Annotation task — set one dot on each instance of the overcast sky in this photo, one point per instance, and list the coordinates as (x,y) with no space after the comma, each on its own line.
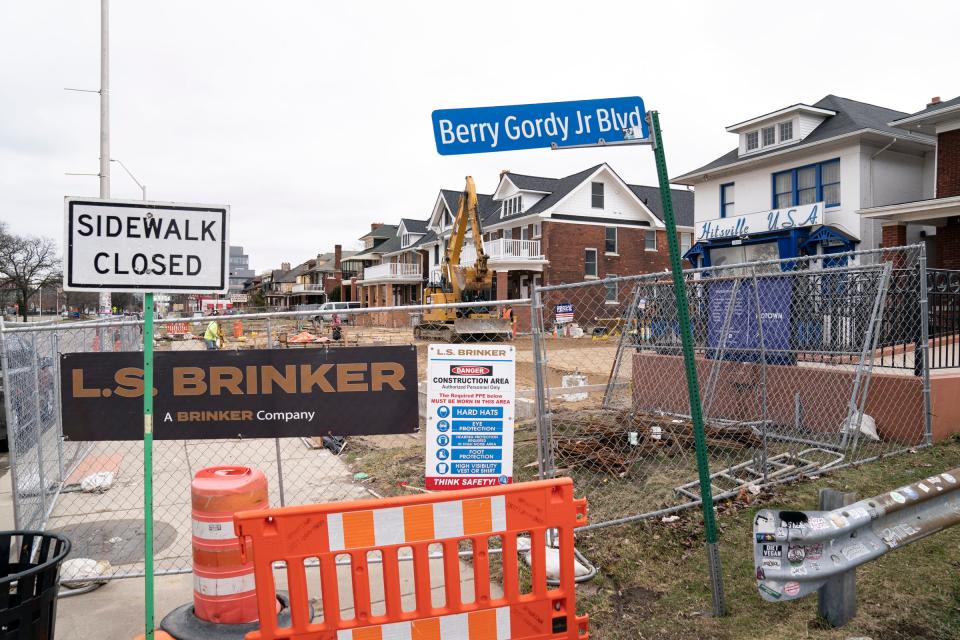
(312,119)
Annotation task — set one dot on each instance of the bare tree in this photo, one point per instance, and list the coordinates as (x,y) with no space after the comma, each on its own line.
(27,263)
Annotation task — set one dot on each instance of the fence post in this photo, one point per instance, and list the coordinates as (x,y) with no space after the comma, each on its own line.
(544,432)
(837,599)
(11,427)
(763,372)
(38,421)
(924,346)
(693,388)
(57,409)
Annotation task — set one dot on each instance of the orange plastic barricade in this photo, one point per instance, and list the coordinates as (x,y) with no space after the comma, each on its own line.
(178,328)
(325,531)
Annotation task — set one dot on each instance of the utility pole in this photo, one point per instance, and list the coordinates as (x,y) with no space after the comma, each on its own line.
(105,302)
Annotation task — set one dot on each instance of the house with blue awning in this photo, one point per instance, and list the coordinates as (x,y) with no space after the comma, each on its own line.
(798,177)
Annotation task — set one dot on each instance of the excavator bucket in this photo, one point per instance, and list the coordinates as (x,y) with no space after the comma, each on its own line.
(482,328)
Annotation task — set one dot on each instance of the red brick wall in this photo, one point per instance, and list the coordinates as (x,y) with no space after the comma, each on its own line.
(948,245)
(895,401)
(894,235)
(563,245)
(948,164)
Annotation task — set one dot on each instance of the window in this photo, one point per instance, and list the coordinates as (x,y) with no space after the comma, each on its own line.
(753,140)
(612,290)
(596,195)
(508,234)
(610,244)
(650,239)
(786,131)
(806,179)
(726,199)
(769,136)
(590,262)
(537,230)
(524,233)
(806,185)
(686,240)
(830,182)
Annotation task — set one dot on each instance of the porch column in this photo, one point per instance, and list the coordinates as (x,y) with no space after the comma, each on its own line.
(502,285)
(894,234)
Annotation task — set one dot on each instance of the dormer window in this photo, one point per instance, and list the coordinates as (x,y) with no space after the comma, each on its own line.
(786,131)
(769,136)
(511,206)
(753,140)
(409,238)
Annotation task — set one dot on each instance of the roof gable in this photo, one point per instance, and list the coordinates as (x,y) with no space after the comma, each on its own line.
(851,116)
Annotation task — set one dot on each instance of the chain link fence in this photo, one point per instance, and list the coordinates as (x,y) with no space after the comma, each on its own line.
(803,365)
(93,492)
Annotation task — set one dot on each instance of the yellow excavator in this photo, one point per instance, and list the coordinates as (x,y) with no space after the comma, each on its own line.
(463,284)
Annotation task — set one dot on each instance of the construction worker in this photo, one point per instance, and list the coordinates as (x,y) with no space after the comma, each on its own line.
(213,336)
(509,317)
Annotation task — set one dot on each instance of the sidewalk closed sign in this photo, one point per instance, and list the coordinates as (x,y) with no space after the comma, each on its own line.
(133,245)
(470,411)
(537,126)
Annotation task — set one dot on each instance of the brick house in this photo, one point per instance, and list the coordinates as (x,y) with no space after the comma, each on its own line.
(935,221)
(536,230)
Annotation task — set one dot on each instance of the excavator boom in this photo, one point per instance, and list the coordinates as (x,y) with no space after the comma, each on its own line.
(448,324)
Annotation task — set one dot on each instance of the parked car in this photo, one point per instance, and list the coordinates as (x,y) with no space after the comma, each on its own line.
(328,309)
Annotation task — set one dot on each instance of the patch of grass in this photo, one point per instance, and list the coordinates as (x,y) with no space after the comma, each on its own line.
(653,584)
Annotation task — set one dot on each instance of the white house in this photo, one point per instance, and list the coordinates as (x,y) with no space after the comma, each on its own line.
(798,177)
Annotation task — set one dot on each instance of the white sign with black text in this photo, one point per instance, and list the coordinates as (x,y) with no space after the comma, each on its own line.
(136,245)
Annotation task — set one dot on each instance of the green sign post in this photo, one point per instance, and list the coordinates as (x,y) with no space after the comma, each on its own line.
(99,260)
(693,387)
(148,463)
(596,123)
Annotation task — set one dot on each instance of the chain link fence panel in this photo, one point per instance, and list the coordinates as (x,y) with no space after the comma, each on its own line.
(93,492)
(803,365)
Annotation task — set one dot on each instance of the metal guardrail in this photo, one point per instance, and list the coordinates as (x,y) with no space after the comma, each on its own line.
(797,552)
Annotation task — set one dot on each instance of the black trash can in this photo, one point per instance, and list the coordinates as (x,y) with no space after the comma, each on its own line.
(29,580)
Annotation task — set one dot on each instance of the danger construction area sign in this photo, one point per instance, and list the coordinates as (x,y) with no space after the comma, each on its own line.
(137,245)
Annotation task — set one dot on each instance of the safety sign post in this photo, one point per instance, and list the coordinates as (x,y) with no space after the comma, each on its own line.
(141,246)
(589,124)
(470,414)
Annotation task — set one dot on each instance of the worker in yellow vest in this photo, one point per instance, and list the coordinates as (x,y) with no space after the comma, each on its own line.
(213,336)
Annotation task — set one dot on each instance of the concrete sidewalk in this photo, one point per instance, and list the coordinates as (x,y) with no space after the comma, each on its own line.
(116,610)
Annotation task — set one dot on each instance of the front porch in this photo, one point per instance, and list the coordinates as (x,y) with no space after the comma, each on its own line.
(935,223)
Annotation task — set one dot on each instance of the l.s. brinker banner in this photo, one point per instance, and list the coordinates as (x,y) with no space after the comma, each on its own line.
(266,393)
(534,126)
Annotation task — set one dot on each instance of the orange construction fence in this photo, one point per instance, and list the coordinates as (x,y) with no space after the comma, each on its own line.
(321,533)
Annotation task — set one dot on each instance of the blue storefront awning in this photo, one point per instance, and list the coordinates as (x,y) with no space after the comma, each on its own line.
(829,235)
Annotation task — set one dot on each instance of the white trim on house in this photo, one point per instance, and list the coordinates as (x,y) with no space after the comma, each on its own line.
(915,211)
(928,116)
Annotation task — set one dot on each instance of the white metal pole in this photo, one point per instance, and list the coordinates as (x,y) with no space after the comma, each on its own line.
(105,303)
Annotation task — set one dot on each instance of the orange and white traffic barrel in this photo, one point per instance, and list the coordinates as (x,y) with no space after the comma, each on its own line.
(224,589)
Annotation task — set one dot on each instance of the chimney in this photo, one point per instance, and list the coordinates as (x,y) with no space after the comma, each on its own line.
(934,100)
(285,266)
(375,225)
(337,270)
